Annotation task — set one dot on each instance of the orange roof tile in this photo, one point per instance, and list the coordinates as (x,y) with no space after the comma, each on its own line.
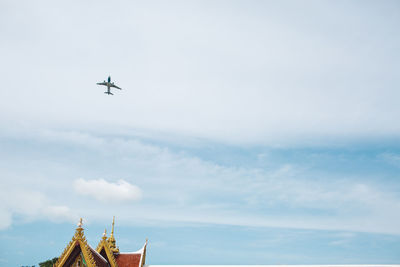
(128,259)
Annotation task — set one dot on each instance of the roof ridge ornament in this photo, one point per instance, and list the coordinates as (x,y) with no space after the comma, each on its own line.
(143,256)
(79,230)
(80,223)
(112,228)
(105,234)
(111,240)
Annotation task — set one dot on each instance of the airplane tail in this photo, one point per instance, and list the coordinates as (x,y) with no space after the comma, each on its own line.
(108,93)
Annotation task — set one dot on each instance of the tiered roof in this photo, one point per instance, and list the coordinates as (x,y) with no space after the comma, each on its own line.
(79,253)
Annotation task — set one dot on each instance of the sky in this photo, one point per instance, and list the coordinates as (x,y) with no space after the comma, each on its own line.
(247,132)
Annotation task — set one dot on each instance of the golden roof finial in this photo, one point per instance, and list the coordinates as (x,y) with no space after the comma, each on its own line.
(111,239)
(105,234)
(79,230)
(112,228)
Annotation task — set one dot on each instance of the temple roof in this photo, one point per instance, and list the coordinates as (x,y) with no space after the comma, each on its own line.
(106,254)
(128,259)
(132,259)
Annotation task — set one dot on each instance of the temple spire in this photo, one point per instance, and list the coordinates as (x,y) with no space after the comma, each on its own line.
(111,239)
(112,228)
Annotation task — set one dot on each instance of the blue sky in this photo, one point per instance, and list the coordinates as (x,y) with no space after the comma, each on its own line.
(252,132)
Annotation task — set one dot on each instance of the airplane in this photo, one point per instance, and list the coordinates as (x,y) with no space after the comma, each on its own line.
(109,84)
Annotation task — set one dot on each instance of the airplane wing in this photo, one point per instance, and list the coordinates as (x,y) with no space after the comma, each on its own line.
(103,83)
(113,85)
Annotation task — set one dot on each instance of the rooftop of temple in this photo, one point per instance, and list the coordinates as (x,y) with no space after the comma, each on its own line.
(79,253)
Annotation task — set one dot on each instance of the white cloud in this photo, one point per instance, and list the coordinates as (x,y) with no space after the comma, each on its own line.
(181,187)
(101,190)
(30,205)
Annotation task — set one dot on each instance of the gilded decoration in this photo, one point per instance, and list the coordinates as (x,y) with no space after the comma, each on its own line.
(78,239)
(103,244)
(111,240)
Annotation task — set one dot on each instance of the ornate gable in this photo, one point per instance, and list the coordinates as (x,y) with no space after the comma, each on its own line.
(77,249)
(103,248)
